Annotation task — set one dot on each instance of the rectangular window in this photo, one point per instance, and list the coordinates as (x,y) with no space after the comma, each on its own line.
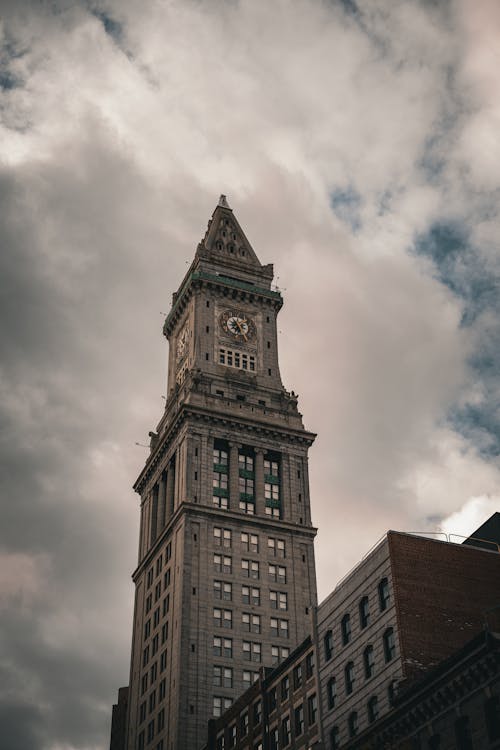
(223,590)
(223,647)
(222,676)
(236,359)
(250,595)
(249,542)
(244,724)
(252,651)
(285,731)
(257,713)
(223,618)
(312,709)
(163,660)
(277,573)
(251,622)
(250,568)
(162,689)
(222,537)
(297,676)
(280,548)
(299,720)
(278,600)
(249,677)
(285,688)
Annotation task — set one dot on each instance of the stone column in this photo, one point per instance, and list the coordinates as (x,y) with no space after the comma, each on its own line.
(234,484)
(154,514)
(170,490)
(162,501)
(259,483)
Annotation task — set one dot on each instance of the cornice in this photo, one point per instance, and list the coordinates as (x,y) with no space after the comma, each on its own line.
(208,512)
(250,426)
(199,278)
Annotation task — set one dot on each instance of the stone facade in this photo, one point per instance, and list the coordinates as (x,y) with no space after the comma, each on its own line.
(226,579)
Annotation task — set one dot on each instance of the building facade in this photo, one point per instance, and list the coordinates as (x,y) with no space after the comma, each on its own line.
(406,607)
(456,706)
(225,582)
(280,710)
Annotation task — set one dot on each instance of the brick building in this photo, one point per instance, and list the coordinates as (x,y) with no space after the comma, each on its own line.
(280,710)
(408,605)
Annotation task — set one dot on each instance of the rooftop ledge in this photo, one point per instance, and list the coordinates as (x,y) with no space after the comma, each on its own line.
(219,278)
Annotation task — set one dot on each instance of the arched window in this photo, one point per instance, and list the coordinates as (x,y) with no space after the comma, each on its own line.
(369,661)
(364,612)
(346,629)
(349,677)
(328,641)
(389,645)
(353,724)
(373,709)
(383,594)
(334,738)
(331,690)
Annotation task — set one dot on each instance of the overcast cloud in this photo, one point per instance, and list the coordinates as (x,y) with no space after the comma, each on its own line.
(358,145)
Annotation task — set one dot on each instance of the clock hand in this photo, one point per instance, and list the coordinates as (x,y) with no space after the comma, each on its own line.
(241,329)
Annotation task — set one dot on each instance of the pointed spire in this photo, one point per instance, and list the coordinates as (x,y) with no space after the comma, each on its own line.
(223,202)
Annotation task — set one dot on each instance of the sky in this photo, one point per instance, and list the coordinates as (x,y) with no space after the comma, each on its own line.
(357,142)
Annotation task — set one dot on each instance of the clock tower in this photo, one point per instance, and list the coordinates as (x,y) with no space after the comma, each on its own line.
(225,581)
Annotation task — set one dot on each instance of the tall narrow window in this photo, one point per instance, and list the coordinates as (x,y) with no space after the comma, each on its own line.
(389,645)
(334,738)
(383,594)
(349,677)
(364,612)
(331,692)
(220,491)
(373,709)
(369,661)
(328,642)
(272,489)
(346,629)
(353,724)
(246,481)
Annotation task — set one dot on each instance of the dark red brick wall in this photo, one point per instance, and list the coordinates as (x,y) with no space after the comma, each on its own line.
(441,592)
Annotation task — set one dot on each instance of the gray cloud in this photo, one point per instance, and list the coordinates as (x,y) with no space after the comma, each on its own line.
(345,135)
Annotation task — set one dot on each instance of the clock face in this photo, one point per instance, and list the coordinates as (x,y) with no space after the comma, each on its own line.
(238,325)
(182,343)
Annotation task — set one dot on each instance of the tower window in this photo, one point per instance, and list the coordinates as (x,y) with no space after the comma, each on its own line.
(272,489)
(238,360)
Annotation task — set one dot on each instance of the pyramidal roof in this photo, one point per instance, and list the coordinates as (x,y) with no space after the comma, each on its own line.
(225,240)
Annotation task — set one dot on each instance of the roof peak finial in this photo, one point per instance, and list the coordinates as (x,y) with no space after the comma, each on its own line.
(223,202)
